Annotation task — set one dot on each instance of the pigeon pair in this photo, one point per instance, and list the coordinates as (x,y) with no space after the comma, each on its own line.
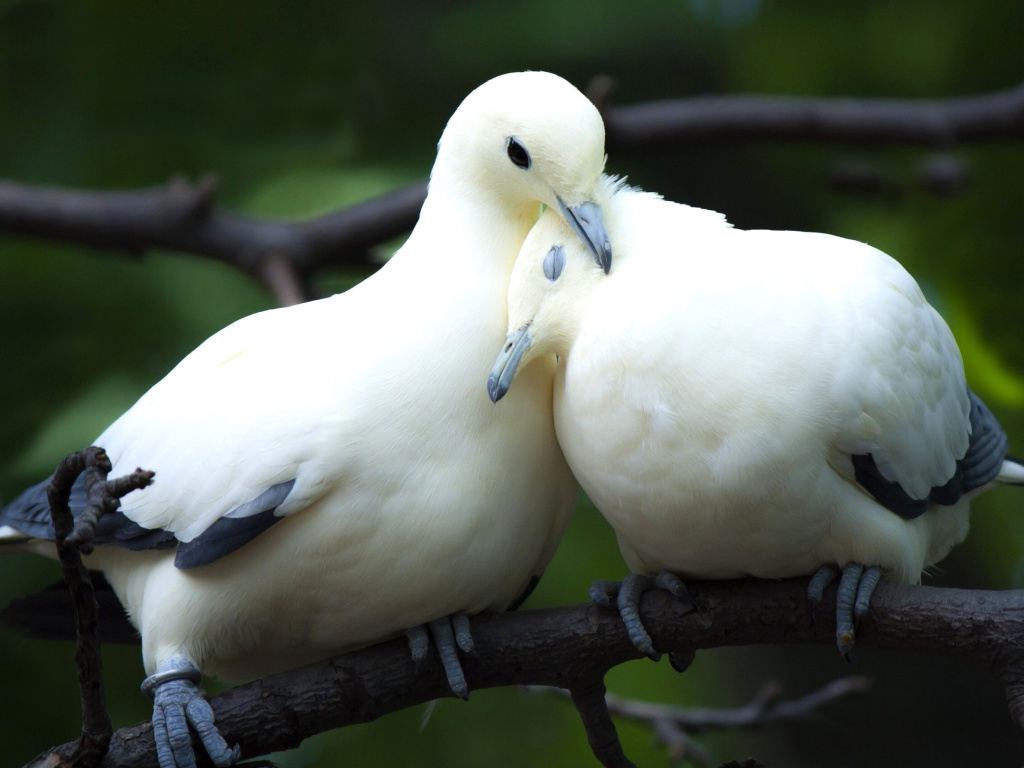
(333,474)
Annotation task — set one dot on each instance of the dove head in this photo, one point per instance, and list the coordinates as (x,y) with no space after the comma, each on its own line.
(526,139)
(553,277)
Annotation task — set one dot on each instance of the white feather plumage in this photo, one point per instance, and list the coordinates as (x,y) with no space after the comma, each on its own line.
(413,497)
(718,382)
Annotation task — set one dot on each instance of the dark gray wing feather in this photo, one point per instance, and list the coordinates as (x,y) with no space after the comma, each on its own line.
(239,526)
(50,613)
(984,458)
(30,514)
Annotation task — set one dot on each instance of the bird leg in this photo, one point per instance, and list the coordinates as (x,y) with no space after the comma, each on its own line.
(178,702)
(625,598)
(451,634)
(852,599)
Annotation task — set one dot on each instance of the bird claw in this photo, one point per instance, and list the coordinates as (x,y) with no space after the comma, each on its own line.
(419,646)
(675,587)
(853,597)
(178,706)
(625,597)
(451,634)
(681,661)
(603,593)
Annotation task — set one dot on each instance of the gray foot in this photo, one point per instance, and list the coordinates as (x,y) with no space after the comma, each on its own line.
(853,597)
(178,703)
(625,598)
(451,634)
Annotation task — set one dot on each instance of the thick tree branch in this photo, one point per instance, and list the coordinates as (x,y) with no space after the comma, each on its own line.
(182,217)
(560,646)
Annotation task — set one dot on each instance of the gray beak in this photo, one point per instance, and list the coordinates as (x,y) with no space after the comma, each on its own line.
(586,219)
(507,364)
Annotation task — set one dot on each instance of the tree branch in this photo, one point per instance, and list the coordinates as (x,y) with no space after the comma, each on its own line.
(589,698)
(181,216)
(560,646)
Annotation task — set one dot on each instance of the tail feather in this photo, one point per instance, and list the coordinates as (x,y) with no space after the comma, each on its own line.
(10,535)
(50,614)
(1011,472)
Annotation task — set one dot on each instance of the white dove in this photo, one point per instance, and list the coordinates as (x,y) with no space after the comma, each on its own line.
(751,403)
(325,473)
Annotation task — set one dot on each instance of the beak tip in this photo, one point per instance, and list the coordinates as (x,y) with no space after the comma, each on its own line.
(605,257)
(494,389)
(587,221)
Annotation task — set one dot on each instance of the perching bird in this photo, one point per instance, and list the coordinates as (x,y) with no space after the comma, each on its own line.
(751,403)
(325,473)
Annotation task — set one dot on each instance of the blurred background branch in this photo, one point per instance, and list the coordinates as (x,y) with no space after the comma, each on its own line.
(181,216)
(937,123)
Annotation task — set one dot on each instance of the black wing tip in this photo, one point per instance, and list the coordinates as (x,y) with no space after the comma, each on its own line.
(236,529)
(988,448)
(888,493)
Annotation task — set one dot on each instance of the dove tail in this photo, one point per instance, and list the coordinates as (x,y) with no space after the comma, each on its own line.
(1011,472)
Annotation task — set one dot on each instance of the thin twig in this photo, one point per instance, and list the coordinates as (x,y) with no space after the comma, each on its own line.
(674,725)
(280,276)
(96,726)
(765,708)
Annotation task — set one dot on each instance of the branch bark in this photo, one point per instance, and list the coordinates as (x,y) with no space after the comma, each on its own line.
(560,646)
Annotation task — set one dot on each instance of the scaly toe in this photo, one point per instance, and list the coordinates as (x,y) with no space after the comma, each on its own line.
(846,596)
(633,587)
(816,588)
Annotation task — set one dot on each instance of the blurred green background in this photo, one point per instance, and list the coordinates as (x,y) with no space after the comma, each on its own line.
(306,106)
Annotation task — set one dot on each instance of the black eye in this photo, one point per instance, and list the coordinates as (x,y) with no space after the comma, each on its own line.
(554,262)
(517,153)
